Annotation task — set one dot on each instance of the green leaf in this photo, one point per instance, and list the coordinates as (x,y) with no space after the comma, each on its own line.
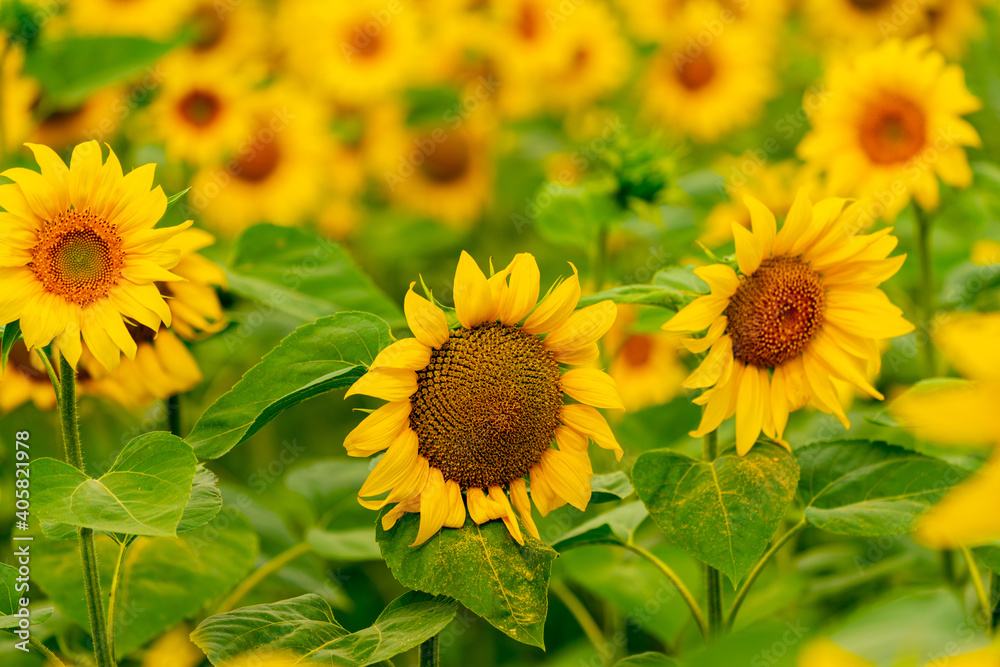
(648,659)
(863,488)
(328,481)
(164,579)
(304,275)
(204,503)
(681,278)
(144,492)
(648,295)
(480,566)
(174,198)
(614,527)
(10,597)
(610,486)
(305,626)
(328,354)
(71,68)
(573,216)
(723,513)
(345,545)
(11,334)
(990,555)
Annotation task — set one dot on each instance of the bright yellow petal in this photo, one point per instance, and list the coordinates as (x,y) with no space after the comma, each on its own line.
(583,328)
(765,227)
(519,497)
(588,421)
(715,367)
(397,461)
(409,354)
(748,255)
(427,322)
(567,479)
(553,311)
(824,653)
(434,507)
(473,301)
(697,315)
(389,384)
(520,297)
(510,520)
(456,506)
(971,343)
(378,430)
(592,387)
(951,412)
(749,409)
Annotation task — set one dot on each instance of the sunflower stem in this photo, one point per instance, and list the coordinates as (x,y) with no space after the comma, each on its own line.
(174,414)
(260,574)
(981,594)
(601,258)
(692,604)
(926,301)
(583,617)
(88,551)
(44,650)
(113,595)
(53,378)
(429,651)
(713,578)
(758,568)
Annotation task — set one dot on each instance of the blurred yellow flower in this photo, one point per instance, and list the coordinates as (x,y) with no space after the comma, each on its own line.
(17,96)
(650,21)
(97,117)
(24,379)
(804,309)
(645,365)
(228,32)
(952,24)
(155,19)
(173,649)
(889,124)
(824,653)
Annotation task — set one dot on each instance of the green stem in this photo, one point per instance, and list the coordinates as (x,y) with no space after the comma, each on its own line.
(981,594)
(44,650)
(88,551)
(758,568)
(113,595)
(429,651)
(580,613)
(174,414)
(926,297)
(47,363)
(713,578)
(676,581)
(262,573)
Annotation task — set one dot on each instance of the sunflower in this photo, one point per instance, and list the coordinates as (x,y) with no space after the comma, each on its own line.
(358,52)
(951,24)
(200,111)
(804,308)
(476,408)
(691,89)
(230,33)
(24,379)
(17,96)
(861,24)
(194,304)
(146,18)
(644,364)
(101,112)
(650,21)
(79,253)
(961,412)
(275,173)
(891,124)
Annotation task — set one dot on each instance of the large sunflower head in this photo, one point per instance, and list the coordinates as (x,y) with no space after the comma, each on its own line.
(891,124)
(79,254)
(805,308)
(475,410)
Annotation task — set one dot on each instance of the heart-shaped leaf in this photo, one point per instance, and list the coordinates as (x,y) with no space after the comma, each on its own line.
(614,527)
(144,492)
(306,626)
(10,598)
(304,275)
(329,353)
(163,580)
(480,566)
(858,487)
(723,513)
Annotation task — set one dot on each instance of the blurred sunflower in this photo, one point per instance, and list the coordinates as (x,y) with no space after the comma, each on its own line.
(961,412)
(804,308)
(891,125)
(476,408)
(80,254)
(861,24)
(101,113)
(444,172)
(773,184)
(650,21)
(823,652)
(17,96)
(691,89)
(358,52)
(163,366)
(275,172)
(644,364)
(146,18)
(174,649)
(951,24)
(24,379)
(229,33)
(200,112)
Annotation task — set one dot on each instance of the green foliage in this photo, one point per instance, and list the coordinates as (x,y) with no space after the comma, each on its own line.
(297,272)
(11,333)
(858,487)
(306,626)
(647,295)
(648,659)
(573,217)
(614,527)
(205,502)
(723,513)
(145,491)
(10,597)
(328,354)
(163,580)
(345,545)
(610,486)
(480,566)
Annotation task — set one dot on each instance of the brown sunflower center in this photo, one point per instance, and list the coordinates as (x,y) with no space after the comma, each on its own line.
(78,257)
(696,73)
(449,161)
(200,108)
(870,5)
(366,44)
(893,130)
(210,27)
(637,350)
(487,405)
(776,312)
(258,163)
(527,21)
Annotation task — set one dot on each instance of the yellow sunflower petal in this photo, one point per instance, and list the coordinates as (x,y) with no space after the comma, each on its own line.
(592,387)
(522,294)
(824,653)
(583,328)
(959,519)
(553,311)
(566,477)
(715,331)
(519,497)
(378,430)
(408,353)
(473,300)
(951,412)
(722,402)
(969,342)
(591,423)
(715,367)
(427,322)
(765,227)
(748,254)
(389,384)
(398,460)
(749,409)
(434,507)
(510,520)
(697,315)
(456,506)
(411,505)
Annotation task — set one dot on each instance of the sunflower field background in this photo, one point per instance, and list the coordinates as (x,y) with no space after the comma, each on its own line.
(280,258)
